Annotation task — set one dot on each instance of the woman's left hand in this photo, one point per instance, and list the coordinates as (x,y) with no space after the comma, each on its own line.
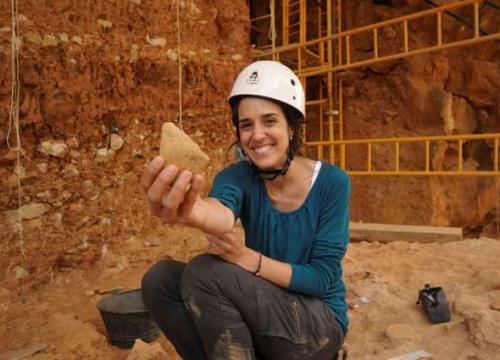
(231,247)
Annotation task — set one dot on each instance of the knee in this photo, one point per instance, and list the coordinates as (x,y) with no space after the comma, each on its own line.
(203,272)
(163,277)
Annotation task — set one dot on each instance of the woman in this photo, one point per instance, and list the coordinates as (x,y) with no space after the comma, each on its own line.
(279,295)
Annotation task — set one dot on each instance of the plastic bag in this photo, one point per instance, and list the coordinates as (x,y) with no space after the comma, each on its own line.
(433,301)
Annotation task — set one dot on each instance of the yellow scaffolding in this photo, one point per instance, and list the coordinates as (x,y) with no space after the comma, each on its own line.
(345,62)
(427,142)
(318,61)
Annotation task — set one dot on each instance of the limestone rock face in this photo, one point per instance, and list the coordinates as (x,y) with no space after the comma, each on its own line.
(20,273)
(116,142)
(144,351)
(172,55)
(156,41)
(55,148)
(32,211)
(49,40)
(30,214)
(236,57)
(103,155)
(177,148)
(71,170)
(458,115)
(105,24)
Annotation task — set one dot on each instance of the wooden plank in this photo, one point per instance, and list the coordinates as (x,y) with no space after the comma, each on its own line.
(386,233)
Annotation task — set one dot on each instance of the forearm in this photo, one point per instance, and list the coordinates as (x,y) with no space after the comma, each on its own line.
(315,279)
(215,218)
(275,271)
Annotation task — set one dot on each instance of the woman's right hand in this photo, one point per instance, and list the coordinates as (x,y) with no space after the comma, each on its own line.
(172,195)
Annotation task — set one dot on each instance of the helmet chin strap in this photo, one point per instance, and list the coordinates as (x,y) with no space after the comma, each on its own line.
(273,174)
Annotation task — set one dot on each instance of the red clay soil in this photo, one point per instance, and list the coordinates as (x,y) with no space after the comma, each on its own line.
(61,315)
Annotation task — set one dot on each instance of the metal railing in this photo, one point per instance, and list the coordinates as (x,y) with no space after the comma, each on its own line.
(426,141)
(343,40)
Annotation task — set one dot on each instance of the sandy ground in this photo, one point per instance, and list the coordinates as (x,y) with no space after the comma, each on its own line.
(60,314)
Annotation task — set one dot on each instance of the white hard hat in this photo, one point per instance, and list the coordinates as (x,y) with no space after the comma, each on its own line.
(272,80)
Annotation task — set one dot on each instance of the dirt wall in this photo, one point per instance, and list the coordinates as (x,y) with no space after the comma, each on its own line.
(97,81)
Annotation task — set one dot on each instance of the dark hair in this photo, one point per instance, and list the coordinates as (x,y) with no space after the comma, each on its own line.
(292,115)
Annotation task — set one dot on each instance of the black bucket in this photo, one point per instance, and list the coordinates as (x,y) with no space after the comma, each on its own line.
(126,319)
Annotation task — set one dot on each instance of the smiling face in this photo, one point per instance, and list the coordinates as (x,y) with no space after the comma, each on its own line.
(264,132)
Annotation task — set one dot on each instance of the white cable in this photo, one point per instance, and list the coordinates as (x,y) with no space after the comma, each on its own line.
(13,78)
(179,64)
(14,117)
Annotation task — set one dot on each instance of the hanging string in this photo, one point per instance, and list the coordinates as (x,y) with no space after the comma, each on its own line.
(14,99)
(272,29)
(497,186)
(14,118)
(179,64)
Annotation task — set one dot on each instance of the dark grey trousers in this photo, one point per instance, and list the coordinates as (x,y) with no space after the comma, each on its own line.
(212,309)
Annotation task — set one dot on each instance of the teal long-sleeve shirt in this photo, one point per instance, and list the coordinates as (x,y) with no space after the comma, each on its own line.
(312,238)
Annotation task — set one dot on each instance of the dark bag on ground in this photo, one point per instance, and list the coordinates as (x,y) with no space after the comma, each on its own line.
(433,301)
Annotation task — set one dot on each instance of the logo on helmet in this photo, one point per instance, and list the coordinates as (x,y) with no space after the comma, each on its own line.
(253,78)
